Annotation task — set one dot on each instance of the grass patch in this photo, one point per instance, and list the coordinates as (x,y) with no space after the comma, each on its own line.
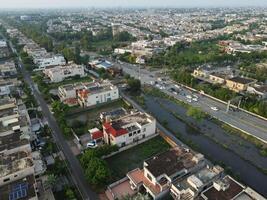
(132,158)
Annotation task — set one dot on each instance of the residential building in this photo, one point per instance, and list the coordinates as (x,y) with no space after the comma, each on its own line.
(228,188)
(101,64)
(191,186)
(239,84)
(4,51)
(60,72)
(25,188)
(96,93)
(158,174)
(15,166)
(8,70)
(129,129)
(51,60)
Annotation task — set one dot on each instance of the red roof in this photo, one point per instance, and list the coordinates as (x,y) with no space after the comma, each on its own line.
(111,130)
(96,135)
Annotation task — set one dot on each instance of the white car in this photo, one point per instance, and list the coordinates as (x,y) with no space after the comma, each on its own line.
(195,99)
(189,96)
(91,145)
(214,108)
(189,100)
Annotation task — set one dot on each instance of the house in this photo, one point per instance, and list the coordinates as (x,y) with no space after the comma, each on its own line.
(239,84)
(60,72)
(25,188)
(8,70)
(158,174)
(101,64)
(228,188)
(220,77)
(129,129)
(50,60)
(96,93)
(191,186)
(15,166)
(4,51)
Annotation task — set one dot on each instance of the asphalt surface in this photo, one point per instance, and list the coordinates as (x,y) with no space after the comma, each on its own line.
(74,165)
(239,119)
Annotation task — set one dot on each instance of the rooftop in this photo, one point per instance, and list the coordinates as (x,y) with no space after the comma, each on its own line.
(224,189)
(14,162)
(241,80)
(171,162)
(11,141)
(22,189)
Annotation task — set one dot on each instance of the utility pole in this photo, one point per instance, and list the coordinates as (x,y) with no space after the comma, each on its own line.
(228,106)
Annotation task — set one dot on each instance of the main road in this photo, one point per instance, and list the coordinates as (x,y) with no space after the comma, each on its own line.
(241,120)
(73,163)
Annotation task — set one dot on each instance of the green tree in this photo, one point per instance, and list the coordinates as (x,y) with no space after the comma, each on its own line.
(196,113)
(134,84)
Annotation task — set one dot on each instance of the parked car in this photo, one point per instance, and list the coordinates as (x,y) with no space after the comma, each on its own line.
(91,145)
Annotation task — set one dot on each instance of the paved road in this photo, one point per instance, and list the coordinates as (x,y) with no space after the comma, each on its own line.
(74,165)
(239,119)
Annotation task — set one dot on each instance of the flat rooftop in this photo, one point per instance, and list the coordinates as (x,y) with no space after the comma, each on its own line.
(242,80)
(22,189)
(233,188)
(170,162)
(14,162)
(12,141)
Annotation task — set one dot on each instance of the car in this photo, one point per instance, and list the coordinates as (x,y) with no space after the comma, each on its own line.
(189,100)
(214,108)
(91,144)
(189,96)
(195,99)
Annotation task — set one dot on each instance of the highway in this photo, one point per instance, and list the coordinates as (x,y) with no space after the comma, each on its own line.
(75,168)
(248,123)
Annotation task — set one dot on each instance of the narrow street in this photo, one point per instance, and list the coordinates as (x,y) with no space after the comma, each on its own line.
(74,165)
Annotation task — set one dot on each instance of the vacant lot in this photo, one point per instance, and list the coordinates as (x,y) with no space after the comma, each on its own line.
(132,158)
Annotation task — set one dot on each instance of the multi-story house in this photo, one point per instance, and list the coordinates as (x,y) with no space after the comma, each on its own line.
(129,129)
(60,72)
(158,174)
(96,93)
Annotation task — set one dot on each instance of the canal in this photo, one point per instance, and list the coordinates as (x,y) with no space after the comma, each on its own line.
(238,158)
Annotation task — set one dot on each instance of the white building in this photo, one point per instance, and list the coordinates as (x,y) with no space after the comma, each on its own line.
(96,93)
(129,129)
(42,63)
(60,72)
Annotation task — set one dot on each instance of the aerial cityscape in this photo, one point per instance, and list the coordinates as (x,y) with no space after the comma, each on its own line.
(133,100)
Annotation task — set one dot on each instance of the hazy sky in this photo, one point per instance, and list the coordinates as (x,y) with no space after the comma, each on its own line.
(127,3)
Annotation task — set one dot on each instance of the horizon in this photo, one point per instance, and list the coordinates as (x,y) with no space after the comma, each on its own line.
(57,4)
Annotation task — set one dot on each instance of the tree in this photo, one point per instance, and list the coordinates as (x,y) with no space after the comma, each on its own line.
(134,84)
(196,113)
(51,180)
(69,194)
(123,37)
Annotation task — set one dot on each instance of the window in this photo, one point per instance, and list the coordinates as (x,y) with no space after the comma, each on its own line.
(149,177)
(130,134)
(144,129)
(123,144)
(7,179)
(139,131)
(144,136)
(134,132)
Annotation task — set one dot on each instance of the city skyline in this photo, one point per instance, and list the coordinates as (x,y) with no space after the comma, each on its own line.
(123,3)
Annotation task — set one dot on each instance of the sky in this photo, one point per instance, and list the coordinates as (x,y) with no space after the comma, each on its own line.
(129,3)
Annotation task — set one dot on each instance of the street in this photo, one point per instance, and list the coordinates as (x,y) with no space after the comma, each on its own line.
(74,165)
(247,123)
